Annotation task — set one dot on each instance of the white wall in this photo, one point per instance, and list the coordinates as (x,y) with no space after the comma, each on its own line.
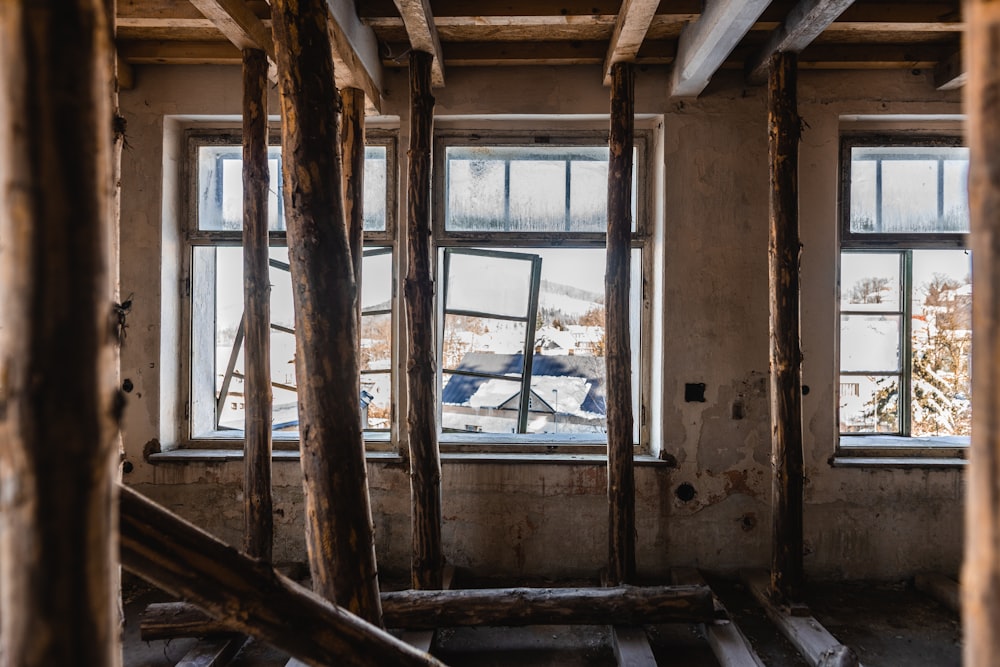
(548,518)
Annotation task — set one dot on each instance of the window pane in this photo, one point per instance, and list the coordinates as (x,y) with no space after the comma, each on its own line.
(466,337)
(220,188)
(869,343)
(869,281)
(491,285)
(524,188)
(942,343)
(376,280)
(376,342)
(376,401)
(476,195)
(567,394)
(869,404)
(375,188)
(916,189)
(537,196)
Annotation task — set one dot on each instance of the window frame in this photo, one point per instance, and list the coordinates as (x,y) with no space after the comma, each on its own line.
(517,241)
(902,444)
(191,237)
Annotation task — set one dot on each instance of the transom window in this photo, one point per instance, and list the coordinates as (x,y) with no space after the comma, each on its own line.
(520,224)
(214,256)
(905,290)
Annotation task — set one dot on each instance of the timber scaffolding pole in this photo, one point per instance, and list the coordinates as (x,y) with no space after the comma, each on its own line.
(339,532)
(783,129)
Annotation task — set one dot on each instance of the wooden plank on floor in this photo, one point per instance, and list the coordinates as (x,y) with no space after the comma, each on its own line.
(214,652)
(632,647)
(814,643)
(424,639)
(940,587)
(727,641)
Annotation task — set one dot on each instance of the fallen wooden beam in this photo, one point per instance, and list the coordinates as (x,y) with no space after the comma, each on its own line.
(728,643)
(215,652)
(943,589)
(631,647)
(810,638)
(248,594)
(510,607)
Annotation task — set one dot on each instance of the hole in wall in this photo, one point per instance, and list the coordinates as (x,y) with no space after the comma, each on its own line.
(685,492)
(694,392)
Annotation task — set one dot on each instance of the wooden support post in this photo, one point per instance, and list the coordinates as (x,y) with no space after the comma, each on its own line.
(258,534)
(783,128)
(248,594)
(352,138)
(339,534)
(618,360)
(58,403)
(418,290)
(510,607)
(981,569)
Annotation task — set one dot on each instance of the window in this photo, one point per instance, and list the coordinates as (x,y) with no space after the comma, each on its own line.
(520,223)
(905,291)
(214,287)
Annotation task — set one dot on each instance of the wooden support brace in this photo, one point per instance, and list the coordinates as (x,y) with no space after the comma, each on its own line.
(631,646)
(618,358)
(783,129)
(215,652)
(339,534)
(247,594)
(427,558)
(814,643)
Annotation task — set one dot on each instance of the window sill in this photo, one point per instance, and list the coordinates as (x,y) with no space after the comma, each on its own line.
(900,452)
(226,455)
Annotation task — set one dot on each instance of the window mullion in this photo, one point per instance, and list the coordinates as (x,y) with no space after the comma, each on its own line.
(906,344)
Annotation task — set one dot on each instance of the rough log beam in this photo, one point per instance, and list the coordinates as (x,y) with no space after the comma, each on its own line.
(238,23)
(248,594)
(706,43)
(419,22)
(418,292)
(981,568)
(804,23)
(58,403)
(618,360)
(783,129)
(339,534)
(633,21)
(258,532)
(623,605)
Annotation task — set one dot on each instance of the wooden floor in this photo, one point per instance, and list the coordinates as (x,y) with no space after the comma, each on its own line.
(887,625)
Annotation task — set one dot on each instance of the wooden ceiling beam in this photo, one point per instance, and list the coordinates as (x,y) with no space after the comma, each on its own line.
(633,22)
(706,43)
(356,60)
(803,24)
(238,23)
(950,74)
(168,52)
(420,26)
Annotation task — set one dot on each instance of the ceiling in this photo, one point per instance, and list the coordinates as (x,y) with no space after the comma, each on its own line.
(695,38)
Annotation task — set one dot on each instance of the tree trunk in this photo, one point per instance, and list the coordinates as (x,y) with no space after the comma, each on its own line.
(248,594)
(618,359)
(786,357)
(258,533)
(981,570)
(59,407)
(506,607)
(425,461)
(339,534)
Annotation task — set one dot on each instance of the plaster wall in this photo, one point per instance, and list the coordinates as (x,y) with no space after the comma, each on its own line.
(548,518)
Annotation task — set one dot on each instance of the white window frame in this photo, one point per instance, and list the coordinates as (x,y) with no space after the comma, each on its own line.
(901,445)
(192,237)
(526,241)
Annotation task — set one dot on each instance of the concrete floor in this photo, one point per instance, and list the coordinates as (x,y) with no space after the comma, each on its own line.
(887,625)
